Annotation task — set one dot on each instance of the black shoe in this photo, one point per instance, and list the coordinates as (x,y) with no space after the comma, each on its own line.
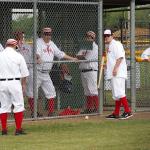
(4,132)
(38,115)
(126,115)
(112,116)
(19,132)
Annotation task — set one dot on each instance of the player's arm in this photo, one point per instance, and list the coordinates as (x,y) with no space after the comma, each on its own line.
(23,83)
(116,67)
(70,58)
(38,59)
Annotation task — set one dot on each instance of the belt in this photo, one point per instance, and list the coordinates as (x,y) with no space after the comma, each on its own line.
(87,70)
(9,79)
(44,71)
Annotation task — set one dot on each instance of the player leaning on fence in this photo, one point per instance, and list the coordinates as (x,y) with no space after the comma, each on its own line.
(13,73)
(89,73)
(46,50)
(116,71)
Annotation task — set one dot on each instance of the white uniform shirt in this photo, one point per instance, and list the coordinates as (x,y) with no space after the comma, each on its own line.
(1,48)
(26,51)
(146,54)
(90,55)
(47,51)
(12,64)
(115,51)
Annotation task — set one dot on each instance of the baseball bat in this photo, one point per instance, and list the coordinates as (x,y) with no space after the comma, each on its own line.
(101,71)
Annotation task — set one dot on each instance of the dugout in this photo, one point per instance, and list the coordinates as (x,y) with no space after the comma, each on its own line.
(69,20)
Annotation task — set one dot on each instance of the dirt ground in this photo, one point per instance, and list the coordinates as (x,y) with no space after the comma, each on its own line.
(95,118)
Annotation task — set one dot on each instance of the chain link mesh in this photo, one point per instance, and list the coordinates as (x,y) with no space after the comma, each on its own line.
(70,20)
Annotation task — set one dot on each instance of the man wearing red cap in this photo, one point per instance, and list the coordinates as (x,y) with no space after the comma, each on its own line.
(26,51)
(116,72)
(89,74)
(13,75)
(46,51)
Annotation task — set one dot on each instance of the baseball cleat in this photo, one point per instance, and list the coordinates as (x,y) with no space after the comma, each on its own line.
(126,115)
(4,132)
(112,116)
(19,132)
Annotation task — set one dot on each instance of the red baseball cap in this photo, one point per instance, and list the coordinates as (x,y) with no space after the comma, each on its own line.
(47,29)
(11,42)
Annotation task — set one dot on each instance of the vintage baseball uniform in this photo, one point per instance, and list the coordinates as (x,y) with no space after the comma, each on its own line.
(89,71)
(47,51)
(13,68)
(146,54)
(116,51)
(26,51)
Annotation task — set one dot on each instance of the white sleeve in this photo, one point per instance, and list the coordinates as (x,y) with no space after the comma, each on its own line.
(119,50)
(146,54)
(57,52)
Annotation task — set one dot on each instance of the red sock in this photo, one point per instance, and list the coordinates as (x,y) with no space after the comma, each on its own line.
(3,118)
(125,104)
(18,120)
(51,104)
(96,102)
(31,104)
(117,107)
(89,102)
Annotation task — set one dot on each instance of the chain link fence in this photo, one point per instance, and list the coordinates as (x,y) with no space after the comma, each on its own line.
(70,20)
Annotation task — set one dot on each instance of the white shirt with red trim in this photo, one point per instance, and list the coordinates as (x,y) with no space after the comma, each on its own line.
(116,51)
(47,51)
(12,64)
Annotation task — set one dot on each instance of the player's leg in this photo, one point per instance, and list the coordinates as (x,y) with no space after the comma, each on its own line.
(5,108)
(18,103)
(50,94)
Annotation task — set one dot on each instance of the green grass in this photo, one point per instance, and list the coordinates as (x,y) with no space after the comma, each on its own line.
(80,134)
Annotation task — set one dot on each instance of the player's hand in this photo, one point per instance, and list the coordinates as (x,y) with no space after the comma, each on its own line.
(38,61)
(115,70)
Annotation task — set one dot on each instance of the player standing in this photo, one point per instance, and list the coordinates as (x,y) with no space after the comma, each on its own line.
(46,50)
(89,74)
(116,72)
(13,75)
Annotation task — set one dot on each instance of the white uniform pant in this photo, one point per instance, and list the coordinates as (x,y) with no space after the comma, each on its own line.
(29,84)
(89,83)
(118,88)
(44,81)
(11,93)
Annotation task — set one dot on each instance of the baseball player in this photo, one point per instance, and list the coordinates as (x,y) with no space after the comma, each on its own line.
(1,48)
(116,72)
(26,51)
(46,50)
(89,74)
(13,75)
(146,54)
